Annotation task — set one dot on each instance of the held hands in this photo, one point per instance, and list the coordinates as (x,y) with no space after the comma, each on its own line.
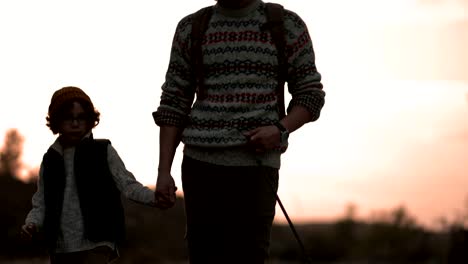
(28,231)
(263,138)
(165,193)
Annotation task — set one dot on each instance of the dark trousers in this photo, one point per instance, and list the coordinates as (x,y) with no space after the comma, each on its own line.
(99,255)
(229,210)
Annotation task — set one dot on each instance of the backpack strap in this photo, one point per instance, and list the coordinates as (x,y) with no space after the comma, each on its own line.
(200,21)
(275,24)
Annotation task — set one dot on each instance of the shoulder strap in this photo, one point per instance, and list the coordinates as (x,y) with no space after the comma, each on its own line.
(200,21)
(275,23)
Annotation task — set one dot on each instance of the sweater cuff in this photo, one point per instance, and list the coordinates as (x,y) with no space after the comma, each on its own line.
(313,104)
(169,118)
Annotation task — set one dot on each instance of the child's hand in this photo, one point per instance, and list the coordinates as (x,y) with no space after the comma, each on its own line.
(165,193)
(28,231)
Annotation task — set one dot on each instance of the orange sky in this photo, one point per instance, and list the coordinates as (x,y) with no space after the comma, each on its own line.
(393,130)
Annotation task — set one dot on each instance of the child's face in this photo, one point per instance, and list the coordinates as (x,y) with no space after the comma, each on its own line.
(74,125)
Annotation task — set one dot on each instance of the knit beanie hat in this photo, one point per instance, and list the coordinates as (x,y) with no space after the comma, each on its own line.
(66,94)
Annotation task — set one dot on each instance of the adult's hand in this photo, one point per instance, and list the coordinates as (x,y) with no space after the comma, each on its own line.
(165,193)
(264,138)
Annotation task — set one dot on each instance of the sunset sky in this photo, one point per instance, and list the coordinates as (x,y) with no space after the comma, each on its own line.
(394,129)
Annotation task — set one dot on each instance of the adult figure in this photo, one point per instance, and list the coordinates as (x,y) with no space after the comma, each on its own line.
(233,133)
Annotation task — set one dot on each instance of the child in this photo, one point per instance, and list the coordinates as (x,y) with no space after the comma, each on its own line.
(77,206)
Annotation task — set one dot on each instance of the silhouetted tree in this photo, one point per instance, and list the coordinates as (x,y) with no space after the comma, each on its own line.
(458,246)
(11,153)
(345,231)
(15,200)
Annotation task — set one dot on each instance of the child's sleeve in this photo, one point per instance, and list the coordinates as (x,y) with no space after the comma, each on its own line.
(126,182)
(37,213)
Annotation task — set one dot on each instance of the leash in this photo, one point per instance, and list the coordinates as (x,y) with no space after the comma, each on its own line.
(306,258)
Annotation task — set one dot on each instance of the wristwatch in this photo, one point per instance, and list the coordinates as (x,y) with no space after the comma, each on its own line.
(284,133)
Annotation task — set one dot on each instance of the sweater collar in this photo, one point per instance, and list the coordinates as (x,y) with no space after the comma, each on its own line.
(238,12)
(59,148)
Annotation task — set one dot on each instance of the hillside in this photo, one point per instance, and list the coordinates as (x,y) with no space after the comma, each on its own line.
(155,236)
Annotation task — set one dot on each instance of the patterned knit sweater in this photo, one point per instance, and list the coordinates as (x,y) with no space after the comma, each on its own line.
(240,71)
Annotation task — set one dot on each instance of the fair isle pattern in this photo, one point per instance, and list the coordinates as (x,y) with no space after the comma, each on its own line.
(240,70)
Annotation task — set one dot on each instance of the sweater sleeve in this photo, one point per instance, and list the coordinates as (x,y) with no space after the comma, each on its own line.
(178,89)
(126,182)
(37,213)
(304,81)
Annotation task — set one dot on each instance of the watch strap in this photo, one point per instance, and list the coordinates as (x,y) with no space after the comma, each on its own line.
(280,127)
